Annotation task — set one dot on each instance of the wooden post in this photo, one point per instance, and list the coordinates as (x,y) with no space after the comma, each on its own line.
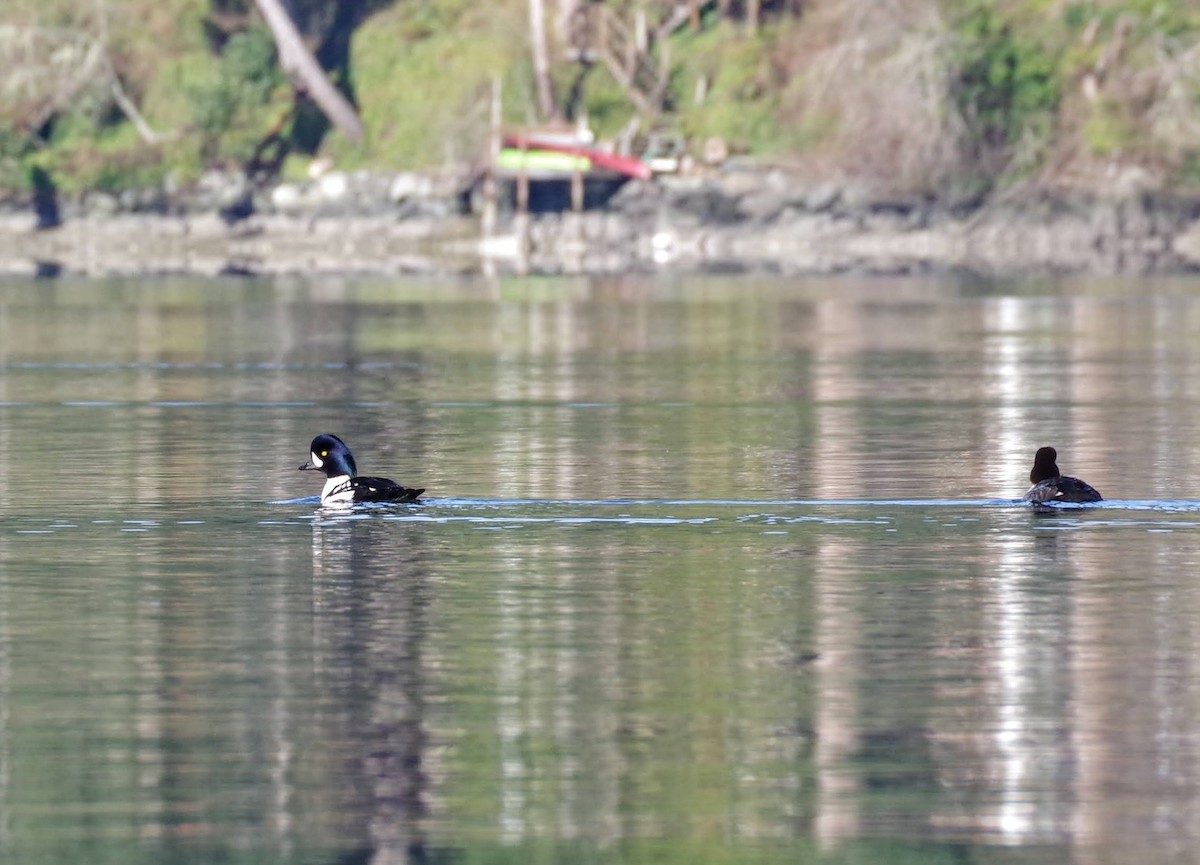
(489,179)
(523,177)
(577,191)
(664,74)
(631,48)
(601,32)
(521,220)
(523,191)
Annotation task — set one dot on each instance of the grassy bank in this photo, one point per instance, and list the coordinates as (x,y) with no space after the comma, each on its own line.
(946,98)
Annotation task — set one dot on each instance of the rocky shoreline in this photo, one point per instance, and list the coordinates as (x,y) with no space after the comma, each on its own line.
(742,219)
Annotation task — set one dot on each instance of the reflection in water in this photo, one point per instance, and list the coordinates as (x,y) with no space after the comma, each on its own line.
(712,571)
(1023,746)
(838,712)
(1011,386)
(6,690)
(370,659)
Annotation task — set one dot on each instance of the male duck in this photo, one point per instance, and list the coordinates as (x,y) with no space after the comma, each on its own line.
(329,454)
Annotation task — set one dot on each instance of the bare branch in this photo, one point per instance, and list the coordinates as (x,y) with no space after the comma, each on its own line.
(306,74)
(134,116)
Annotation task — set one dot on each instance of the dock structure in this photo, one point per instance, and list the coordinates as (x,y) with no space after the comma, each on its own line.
(549,159)
(631,39)
(545,159)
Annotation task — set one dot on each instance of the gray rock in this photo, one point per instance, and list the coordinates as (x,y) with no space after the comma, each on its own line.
(332,188)
(409,185)
(764,205)
(824,196)
(101,204)
(1186,245)
(221,189)
(705,203)
(288,198)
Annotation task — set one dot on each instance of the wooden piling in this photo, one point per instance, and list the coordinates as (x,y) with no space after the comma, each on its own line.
(490,185)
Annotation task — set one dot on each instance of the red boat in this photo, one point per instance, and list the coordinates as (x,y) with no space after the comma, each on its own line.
(630,166)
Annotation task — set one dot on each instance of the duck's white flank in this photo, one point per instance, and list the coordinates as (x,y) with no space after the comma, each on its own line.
(332,495)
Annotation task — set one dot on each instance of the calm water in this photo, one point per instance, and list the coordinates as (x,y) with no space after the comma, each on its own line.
(712,571)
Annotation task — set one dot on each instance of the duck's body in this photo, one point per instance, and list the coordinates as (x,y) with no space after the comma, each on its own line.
(343,486)
(1049,485)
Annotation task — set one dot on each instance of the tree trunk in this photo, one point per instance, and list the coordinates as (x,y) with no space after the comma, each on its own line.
(547,108)
(564,22)
(753,10)
(306,74)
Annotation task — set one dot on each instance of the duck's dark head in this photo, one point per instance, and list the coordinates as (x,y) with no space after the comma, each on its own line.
(329,454)
(1045,465)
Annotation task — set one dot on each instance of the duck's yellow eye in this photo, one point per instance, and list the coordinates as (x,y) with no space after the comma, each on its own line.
(324,453)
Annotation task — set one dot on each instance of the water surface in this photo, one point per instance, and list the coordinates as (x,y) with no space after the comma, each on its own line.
(712,570)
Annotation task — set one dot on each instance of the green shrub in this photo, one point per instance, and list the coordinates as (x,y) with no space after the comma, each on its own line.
(15,145)
(1007,84)
(423,93)
(228,109)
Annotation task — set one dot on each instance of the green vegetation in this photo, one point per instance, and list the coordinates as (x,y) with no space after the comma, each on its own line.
(423,73)
(226,109)
(739,86)
(1007,83)
(930,97)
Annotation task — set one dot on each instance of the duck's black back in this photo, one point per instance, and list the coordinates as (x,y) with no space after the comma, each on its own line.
(367,489)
